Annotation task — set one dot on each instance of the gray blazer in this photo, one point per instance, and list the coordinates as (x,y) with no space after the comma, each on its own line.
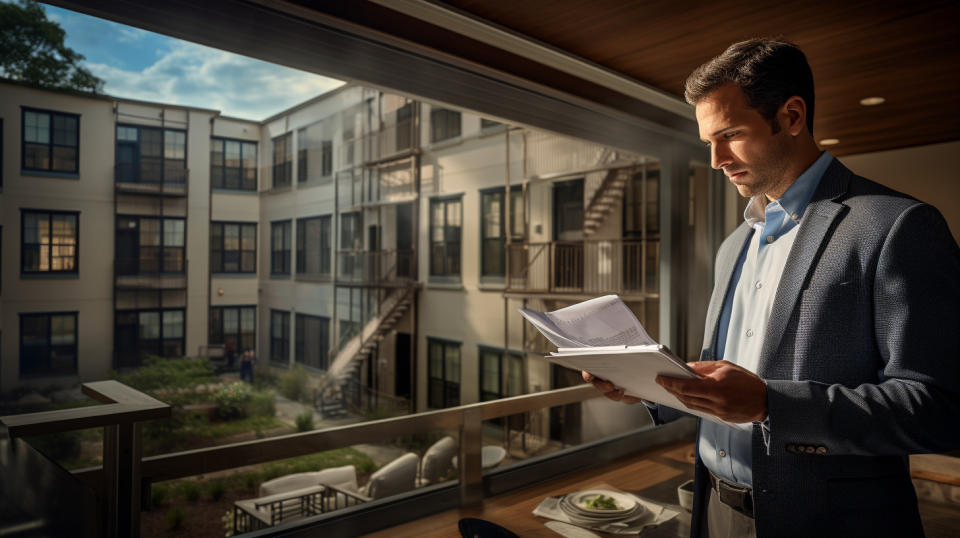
(861,359)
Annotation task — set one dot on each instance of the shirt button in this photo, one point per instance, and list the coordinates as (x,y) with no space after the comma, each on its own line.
(722,453)
(749,333)
(759,284)
(795,216)
(770,239)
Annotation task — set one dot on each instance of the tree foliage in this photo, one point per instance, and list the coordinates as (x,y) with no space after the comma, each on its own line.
(32,50)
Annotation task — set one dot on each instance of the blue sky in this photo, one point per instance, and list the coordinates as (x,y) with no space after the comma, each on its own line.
(143,65)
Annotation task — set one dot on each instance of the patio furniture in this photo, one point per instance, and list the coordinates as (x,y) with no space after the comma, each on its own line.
(344,477)
(437,461)
(270,510)
(398,476)
(490,456)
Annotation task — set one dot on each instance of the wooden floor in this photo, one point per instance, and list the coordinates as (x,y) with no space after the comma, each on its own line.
(653,474)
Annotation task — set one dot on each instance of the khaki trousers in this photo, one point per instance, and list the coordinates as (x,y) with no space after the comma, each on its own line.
(725,522)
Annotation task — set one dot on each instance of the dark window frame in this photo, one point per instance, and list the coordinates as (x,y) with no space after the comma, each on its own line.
(503,361)
(48,372)
(280,257)
(280,346)
(449,391)
(218,268)
(76,245)
(442,124)
(221,180)
(50,143)
(445,246)
(299,351)
(162,248)
(218,334)
(501,239)
(282,161)
(177,178)
(142,346)
(324,252)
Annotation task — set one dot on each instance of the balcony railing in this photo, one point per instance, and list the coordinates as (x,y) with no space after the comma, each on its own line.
(138,178)
(391,141)
(130,277)
(378,267)
(593,267)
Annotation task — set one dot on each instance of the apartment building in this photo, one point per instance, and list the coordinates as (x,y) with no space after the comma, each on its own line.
(384,244)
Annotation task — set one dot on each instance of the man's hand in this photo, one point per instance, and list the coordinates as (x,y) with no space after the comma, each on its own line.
(608,389)
(726,390)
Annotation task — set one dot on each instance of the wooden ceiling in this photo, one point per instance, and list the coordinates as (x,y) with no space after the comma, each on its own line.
(906,52)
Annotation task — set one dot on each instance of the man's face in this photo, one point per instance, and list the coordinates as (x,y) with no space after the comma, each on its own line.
(742,143)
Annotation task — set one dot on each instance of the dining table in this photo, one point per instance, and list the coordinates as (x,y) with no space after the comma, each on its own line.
(653,475)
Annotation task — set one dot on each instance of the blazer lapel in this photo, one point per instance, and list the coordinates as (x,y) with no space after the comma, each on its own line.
(723,286)
(814,229)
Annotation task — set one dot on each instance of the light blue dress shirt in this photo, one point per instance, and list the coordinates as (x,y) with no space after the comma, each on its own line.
(724,450)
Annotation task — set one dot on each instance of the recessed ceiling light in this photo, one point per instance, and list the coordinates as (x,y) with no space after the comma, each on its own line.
(872,101)
(829,141)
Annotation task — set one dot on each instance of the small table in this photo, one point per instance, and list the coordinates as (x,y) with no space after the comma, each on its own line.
(490,456)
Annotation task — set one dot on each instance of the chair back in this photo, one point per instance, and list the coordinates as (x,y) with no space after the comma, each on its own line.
(344,477)
(398,476)
(438,460)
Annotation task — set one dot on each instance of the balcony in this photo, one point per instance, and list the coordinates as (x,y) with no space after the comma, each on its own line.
(625,267)
(151,179)
(379,268)
(130,277)
(392,141)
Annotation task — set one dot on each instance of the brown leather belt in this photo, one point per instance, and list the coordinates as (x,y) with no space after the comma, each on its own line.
(738,497)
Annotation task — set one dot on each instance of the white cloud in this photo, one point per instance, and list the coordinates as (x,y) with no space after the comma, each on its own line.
(194,75)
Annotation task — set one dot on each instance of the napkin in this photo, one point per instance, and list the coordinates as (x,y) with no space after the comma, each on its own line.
(654,515)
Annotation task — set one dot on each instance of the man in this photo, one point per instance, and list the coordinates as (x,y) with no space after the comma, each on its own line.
(833,332)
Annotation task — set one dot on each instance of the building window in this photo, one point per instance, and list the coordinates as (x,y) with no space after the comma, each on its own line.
(233,247)
(489,124)
(313,341)
(233,164)
(280,248)
(236,324)
(283,160)
(314,246)
(492,228)
(146,245)
(145,333)
(492,363)
(445,236)
(151,155)
(49,242)
(350,307)
(280,337)
(51,141)
(443,373)
(48,344)
(444,124)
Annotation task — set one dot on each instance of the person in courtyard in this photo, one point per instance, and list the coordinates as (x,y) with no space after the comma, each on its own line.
(247,360)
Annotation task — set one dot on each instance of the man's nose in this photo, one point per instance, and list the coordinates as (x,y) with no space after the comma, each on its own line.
(719,156)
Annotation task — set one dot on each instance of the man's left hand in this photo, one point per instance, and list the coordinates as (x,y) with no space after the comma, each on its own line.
(726,390)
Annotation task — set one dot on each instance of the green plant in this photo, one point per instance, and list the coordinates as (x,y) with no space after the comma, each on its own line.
(262,404)
(293,384)
(158,374)
(305,421)
(158,494)
(175,517)
(250,480)
(265,379)
(216,489)
(190,490)
(61,446)
(227,521)
(232,400)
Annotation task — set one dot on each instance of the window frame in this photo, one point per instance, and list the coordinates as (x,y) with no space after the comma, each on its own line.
(76,245)
(504,359)
(299,347)
(218,269)
(161,340)
(162,247)
(242,171)
(324,255)
(445,273)
(238,337)
(282,342)
(49,372)
(282,168)
(502,239)
(50,142)
(447,386)
(440,131)
(280,258)
(181,178)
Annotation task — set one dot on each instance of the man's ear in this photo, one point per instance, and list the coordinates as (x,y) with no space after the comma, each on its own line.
(793,115)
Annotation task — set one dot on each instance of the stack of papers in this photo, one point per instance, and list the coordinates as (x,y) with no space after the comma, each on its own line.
(603,336)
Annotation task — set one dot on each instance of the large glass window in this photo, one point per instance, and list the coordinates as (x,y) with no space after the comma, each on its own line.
(150,245)
(143,333)
(49,242)
(283,160)
(48,344)
(280,248)
(313,341)
(444,124)
(51,141)
(492,364)
(314,246)
(151,155)
(443,373)
(237,324)
(492,228)
(446,216)
(233,247)
(233,164)
(280,337)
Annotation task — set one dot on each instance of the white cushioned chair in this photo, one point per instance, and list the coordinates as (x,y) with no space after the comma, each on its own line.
(344,477)
(437,461)
(398,476)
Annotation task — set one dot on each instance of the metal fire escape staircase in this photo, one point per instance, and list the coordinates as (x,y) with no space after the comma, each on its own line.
(605,199)
(329,396)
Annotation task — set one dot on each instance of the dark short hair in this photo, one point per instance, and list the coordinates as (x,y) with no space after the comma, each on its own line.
(768,71)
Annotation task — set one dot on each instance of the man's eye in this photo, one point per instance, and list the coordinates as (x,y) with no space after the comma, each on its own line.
(730,135)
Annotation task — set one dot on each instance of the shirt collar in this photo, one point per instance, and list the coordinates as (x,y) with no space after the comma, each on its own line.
(796,198)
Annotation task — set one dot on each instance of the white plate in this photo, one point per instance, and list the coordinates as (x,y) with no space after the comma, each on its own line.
(581,499)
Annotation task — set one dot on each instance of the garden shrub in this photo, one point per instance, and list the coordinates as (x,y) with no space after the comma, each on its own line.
(175,518)
(305,421)
(293,384)
(60,447)
(158,494)
(232,400)
(190,490)
(159,374)
(216,489)
(262,404)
